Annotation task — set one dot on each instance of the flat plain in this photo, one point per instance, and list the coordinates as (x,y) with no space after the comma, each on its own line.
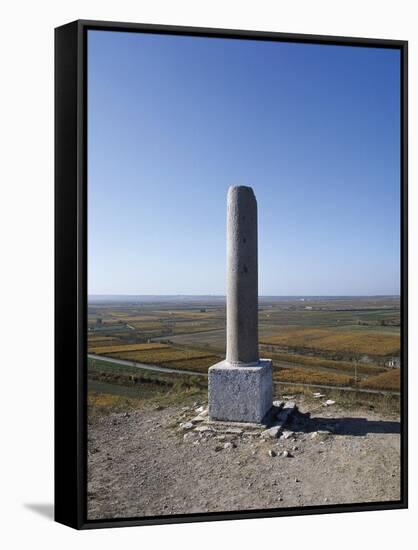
(343,341)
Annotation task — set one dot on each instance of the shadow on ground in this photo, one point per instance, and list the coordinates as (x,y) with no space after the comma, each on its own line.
(343,425)
(45,510)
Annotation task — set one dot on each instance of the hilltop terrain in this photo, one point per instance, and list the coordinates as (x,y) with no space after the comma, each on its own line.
(145,463)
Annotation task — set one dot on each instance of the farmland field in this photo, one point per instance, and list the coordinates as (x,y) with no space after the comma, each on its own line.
(125,348)
(344,341)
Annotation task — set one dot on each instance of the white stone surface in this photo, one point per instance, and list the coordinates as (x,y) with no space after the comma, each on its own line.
(240,393)
(271,432)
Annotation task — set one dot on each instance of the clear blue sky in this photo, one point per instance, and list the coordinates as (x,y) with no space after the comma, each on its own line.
(174,121)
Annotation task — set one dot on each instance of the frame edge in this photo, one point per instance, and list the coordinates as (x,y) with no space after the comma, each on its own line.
(67,449)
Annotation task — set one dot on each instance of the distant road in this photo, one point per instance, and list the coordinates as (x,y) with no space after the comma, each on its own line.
(157,368)
(144,366)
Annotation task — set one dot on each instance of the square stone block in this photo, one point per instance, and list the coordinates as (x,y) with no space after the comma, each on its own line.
(241,393)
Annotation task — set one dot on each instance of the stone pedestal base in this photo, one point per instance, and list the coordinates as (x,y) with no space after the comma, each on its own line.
(241,393)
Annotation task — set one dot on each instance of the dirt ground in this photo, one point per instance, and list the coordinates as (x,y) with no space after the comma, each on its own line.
(144,464)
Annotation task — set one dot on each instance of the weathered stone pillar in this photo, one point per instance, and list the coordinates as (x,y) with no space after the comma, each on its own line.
(242,277)
(240,388)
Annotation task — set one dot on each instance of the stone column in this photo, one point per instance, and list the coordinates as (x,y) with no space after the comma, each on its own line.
(242,277)
(241,387)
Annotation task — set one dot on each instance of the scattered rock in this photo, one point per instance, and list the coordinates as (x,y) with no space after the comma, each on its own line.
(284,414)
(203,429)
(318,395)
(186,425)
(272,453)
(286,434)
(233,431)
(229,445)
(188,436)
(286,454)
(197,419)
(199,409)
(328,402)
(271,432)
(297,480)
(320,434)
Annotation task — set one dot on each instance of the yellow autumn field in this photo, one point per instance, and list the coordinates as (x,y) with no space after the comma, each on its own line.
(336,340)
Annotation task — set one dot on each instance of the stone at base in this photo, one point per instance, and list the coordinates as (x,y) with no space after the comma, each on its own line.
(240,393)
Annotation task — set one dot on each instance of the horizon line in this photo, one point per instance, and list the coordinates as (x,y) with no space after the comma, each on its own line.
(260,295)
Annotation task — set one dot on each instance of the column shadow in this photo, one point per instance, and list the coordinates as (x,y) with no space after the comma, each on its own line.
(356,426)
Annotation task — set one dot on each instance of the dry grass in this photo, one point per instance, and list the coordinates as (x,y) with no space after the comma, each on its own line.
(337,340)
(311,361)
(306,376)
(121,391)
(110,350)
(357,402)
(387,381)
(160,356)
(104,403)
(200,364)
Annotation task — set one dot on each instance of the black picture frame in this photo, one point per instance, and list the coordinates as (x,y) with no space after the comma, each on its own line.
(71,271)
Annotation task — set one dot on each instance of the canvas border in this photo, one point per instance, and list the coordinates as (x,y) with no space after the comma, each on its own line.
(71,128)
